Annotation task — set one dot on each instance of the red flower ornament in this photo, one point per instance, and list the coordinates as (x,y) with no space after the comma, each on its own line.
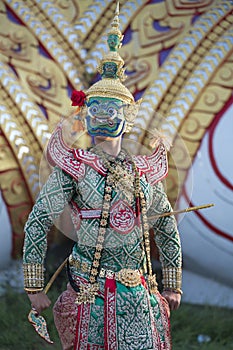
(78,98)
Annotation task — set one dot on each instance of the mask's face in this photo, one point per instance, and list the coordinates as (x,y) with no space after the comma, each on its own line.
(105,117)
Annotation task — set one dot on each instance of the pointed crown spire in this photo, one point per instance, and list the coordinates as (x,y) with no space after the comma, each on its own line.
(111,68)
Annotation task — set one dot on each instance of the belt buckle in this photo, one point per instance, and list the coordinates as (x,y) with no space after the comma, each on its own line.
(129,277)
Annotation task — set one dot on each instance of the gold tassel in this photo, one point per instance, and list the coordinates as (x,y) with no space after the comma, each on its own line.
(78,124)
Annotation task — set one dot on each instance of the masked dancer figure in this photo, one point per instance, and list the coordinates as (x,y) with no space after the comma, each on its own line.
(112,301)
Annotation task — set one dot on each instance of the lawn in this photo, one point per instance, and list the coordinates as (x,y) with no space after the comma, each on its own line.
(187,323)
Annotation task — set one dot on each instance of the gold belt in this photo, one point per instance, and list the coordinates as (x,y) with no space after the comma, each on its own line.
(128,277)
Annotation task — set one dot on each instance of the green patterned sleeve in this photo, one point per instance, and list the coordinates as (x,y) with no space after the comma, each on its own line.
(52,199)
(167,239)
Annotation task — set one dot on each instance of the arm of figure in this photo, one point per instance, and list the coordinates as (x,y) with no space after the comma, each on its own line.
(53,197)
(167,240)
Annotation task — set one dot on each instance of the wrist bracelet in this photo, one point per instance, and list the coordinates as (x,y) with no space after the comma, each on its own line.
(175,290)
(33,291)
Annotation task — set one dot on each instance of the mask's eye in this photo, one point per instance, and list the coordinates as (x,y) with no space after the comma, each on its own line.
(93,110)
(111,111)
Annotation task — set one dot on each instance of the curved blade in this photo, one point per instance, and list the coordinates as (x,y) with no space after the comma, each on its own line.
(40,325)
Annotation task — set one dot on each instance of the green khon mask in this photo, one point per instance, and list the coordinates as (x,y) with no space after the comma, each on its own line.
(105,117)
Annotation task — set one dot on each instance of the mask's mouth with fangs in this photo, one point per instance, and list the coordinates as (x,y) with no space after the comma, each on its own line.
(105,126)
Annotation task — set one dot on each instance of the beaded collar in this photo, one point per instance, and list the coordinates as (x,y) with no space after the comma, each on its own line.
(121,171)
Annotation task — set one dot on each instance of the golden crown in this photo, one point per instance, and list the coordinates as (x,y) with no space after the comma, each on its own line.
(111,69)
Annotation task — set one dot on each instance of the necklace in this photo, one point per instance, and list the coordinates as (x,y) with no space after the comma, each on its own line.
(121,171)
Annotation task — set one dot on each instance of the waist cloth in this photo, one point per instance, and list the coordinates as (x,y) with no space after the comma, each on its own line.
(122,317)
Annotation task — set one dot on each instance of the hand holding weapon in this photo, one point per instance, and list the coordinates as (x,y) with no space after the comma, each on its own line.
(37,320)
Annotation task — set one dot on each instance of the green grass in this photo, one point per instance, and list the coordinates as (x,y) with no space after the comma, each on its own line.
(187,323)
(191,320)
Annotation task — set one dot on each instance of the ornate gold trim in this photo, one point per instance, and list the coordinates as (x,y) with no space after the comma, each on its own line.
(33,276)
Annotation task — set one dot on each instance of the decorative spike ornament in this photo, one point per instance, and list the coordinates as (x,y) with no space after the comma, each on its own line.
(111,69)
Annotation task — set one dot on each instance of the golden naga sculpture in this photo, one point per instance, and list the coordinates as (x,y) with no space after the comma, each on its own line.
(48,49)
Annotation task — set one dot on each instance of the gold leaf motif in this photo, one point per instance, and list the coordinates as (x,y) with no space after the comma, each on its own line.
(87,293)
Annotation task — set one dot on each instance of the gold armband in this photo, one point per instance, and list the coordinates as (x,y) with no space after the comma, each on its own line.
(33,276)
(172,278)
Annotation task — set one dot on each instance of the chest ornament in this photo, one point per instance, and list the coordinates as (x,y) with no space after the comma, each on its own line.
(122,217)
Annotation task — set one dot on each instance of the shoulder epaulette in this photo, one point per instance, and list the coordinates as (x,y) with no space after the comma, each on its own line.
(155,166)
(58,153)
